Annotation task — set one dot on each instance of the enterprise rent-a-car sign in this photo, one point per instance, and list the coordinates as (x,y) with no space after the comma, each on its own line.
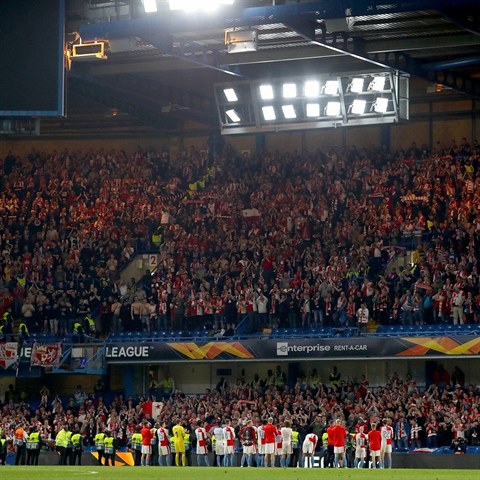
(294,349)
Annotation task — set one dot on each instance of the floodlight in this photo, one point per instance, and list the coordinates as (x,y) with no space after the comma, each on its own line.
(358,106)
(266,92)
(377,84)
(289,111)
(333,109)
(232,115)
(230,94)
(331,87)
(289,90)
(357,85)
(311,88)
(269,113)
(381,105)
(194,5)
(313,109)
(150,6)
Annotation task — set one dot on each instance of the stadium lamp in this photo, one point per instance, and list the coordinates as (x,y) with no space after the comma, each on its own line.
(356,86)
(313,110)
(150,6)
(333,109)
(289,111)
(358,106)
(331,87)
(269,113)
(266,92)
(230,94)
(233,115)
(311,88)
(289,90)
(195,5)
(377,84)
(381,105)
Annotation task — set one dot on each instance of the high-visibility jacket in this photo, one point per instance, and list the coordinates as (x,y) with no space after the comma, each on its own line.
(33,441)
(109,445)
(61,440)
(172,444)
(77,441)
(77,327)
(69,439)
(22,328)
(99,441)
(186,440)
(91,323)
(19,436)
(154,439)
(136,441)
(295,439)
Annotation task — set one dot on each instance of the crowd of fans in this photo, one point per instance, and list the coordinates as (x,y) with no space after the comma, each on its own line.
(288,240)
(440,415)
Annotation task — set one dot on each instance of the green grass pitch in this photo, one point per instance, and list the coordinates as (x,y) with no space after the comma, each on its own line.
(235,473)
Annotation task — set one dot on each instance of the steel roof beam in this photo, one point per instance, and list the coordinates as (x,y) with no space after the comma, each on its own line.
(466,19)
(178,22)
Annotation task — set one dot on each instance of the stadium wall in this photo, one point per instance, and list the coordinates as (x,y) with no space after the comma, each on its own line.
(431,122)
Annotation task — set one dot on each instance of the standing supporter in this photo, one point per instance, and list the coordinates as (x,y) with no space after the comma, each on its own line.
(375,445)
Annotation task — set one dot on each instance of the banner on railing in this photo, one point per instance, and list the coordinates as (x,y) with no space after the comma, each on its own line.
(294,349)
(46,354)
(8,354)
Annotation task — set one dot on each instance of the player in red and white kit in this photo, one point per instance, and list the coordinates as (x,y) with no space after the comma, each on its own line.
(163,445)
(270,438)
(261,444)
(248,437)
(308,449)
(387,434)
(202,450)
(375,444)
(360,448)
(339,436)
(229,435)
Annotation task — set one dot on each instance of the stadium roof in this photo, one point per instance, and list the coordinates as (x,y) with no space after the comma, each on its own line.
(159,75)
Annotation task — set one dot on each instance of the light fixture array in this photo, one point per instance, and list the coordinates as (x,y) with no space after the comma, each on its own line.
(313,102)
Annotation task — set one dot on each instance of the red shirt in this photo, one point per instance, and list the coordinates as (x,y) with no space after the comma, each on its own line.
(331,433)
(146,436)
(374,439)
(270,433)
(339,435)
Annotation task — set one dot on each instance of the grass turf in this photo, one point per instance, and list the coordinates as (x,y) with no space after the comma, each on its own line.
(211,473)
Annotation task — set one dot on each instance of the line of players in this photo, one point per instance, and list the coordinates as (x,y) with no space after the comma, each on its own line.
(264,443)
